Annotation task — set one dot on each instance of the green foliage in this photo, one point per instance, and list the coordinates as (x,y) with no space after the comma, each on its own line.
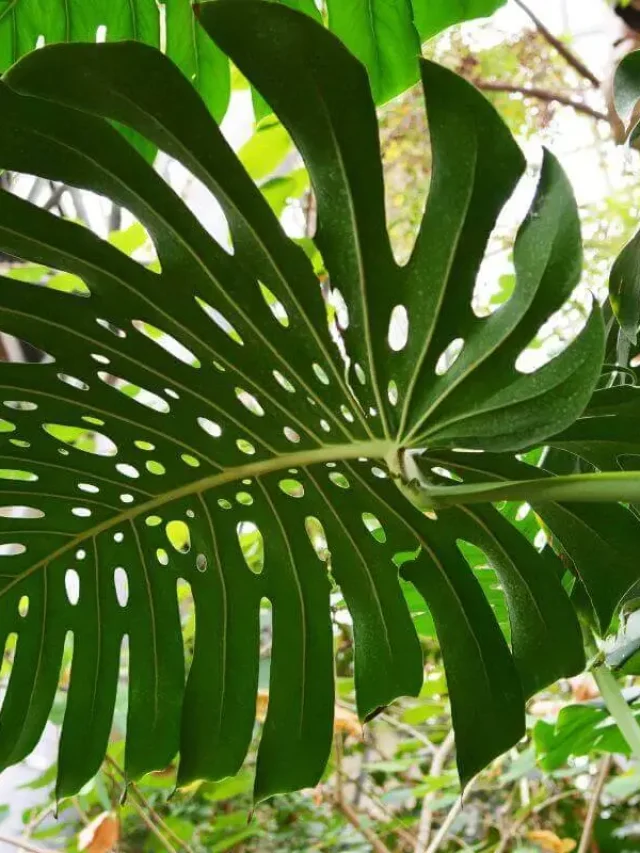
(383,35)
(205,422)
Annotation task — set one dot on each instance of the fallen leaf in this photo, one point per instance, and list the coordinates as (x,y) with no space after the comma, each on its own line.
(550,842)
(101,835)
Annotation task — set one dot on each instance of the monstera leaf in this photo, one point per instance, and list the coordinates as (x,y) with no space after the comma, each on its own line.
(383,35)
(179,408)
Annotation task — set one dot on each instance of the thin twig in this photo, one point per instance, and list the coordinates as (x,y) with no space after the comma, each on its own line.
(447,823)
(594,802)
(426,815)
(542,95)
(410,730)
(84,817)
(516,825)
(351,815)
(136,792)
(22,844)
(168,846)
(568,55)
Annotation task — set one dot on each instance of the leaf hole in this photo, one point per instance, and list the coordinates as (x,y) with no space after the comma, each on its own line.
(360,374)
(126,498)
(220,320)
(23,606)
(283,382)
(447,358)
(201,563)
(339,480)
(179,536)
(374,527)
(249,402)
(244,498)
(292,488)
(155,467)
(346,414)
(21,405)
(121,585)
(392,392)
(82,439)
(245,446)
(190,460)
(321,373)
(127,470)
(398,333)
(167,342)
(110,327)
(72,586)
(223,503)
(325,425)
(134,392)
(251,545)
(20,512)
(81,511)
(210,427)
(12,549)
(73,381)
(118,537)
(153,520)
(144,445)
(14,474)
(18,442)
(275,306)
(317,537)
(162,556)
(291,435)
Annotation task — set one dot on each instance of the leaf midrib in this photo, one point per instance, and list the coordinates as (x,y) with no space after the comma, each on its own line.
(300,459)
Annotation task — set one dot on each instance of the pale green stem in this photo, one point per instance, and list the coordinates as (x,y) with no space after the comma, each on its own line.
(618,707)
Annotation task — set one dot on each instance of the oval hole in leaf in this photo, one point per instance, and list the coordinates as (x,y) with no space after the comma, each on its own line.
(72,586)
(249,402)
(398,333)
(82,439)
(317,537)
(210,427)
(374,527)
(127,470)
(21,405)
(339,480)
(167,342)
(275,306)
(252,545)
(201,563)
(12,549)
(135,392)
(283,382)
(121,584)
(23,606)
(73,381)
(20,512)
(292,488)
(179,536)
(449,356)
(220,320)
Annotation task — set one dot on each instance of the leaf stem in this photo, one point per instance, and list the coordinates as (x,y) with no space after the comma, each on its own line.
(607,486)
(587,830)
(618,707)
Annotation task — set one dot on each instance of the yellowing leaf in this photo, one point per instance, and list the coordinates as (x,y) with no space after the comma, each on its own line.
(101,835)
(548,840)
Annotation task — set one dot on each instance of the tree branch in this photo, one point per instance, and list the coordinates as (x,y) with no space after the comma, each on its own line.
(541,95)
(22,844)
(426,815)
(568,55)
(587,830)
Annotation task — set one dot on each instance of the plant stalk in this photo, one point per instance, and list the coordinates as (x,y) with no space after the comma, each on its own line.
(618,707)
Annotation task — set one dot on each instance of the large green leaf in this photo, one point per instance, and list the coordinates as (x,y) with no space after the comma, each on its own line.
(178,406)
(382,34)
